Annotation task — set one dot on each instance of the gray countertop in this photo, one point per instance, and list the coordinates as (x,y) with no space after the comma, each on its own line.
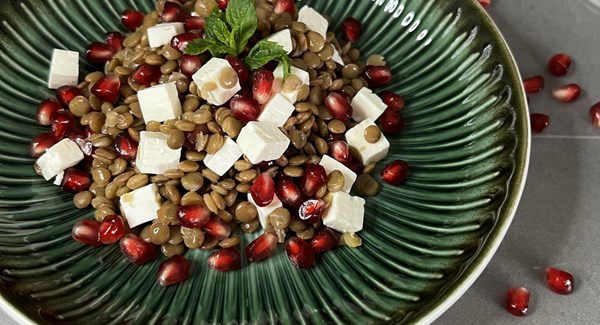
(558,220)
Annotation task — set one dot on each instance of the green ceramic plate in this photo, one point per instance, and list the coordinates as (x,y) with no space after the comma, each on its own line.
(425,242)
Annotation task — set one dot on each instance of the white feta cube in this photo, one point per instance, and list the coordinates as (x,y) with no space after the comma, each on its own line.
(58,179)
(291,96)
(162,34)
(345,214)
(367,105)
(221,161)
(277,110)
(331,164)
(337,58)
(210,72)
(264,212)
(313,20)
(160,103)
(140,206)
(154,155)
(262,141)
(59,157)
(369,152)
(283,38)
(64,69)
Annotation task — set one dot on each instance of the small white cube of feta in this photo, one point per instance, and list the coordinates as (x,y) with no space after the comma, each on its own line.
(59,157)
(64,69)
(291,96)
(369,152)
(160,103)
(162,34)
(154,155)
(221,161)
(210,72)
(283,38)
(140,206)
(337,58)
(313,20)
(58,179)
(345,214)
(264,212)
(367,105)
(262,141)
(331,164)
(277,110)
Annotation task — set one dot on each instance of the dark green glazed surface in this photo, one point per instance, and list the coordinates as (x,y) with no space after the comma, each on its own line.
(424,242)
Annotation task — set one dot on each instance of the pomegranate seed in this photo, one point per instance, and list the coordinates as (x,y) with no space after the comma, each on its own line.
(192,137)
(112,228)
(284,6)
(391,122)
(263,190)
(190,64)
(62,121)
(41,143)
(75,180)
(338,106)
(172,12)
(534,84)
(97,53)
(114,40)
(517,301)
(356,166)
(559,64)
(194,215)
(86,232)
(377,75)
(300,252)
(325,240)
(314,177)
(172,271)
(193,22)
(132,19)
(146,74)
(288,192)
(65,94)
(262,86)
(567,93)
(339,150)
(395,172)
(217,228)
(107,88)
(180,42)
(244,109)
(262,247)
(224,260)
(352,29)
(137,250)
(595,114)
(45,111)
(559,281)
(484,3)
(239,67)
(393,101)
(539,122)
(310,211)
(126,146)
(81,137)
(223,4)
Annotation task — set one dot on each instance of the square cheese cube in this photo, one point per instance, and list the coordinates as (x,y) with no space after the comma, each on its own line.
(331,164)
(346,213)
(283,38)
(291,96)
(59,157)
(277,110)
(369,152)
(160,103)
(313,20)
(58,179)
(154,155)
(222,160)
(337,58)
(210,72)
(262,141)
(162,34)
(140,206)
(367,105)
(264,212)
(64,69)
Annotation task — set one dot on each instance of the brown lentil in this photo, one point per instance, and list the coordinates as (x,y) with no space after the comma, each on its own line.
(250,227)
(335,181)
(322,146)
(210,175)
(192,237)
(169,250)
(79,106)
(185,126)
(298,160)
(159,233)
(191,198)
(210,243)
(83,199)
(367,185)
(315,41)
(245,211)
(247,176)
(297,225)
(215,143)
(280,218)
(306,234)
(372,134)
(145,234)
(101,176)
(175,235)
(137,181)
(230,242)
(175,139)
(336,126)
(350,239)
(375,60)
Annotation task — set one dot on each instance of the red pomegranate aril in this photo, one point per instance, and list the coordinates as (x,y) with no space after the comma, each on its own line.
(41,143)
(98,53)
(136,250)
(146,74)
(262,86)
(313,179)
(394,102)
(338,106)
(484,3)
(288,192)
(311,210)
(62,122)
(395,172)
(86,232)
(132,19)
(534,84)
(172,12)
(567,93)
(300,252)
(595,114)
(391,122)
(223,4)
(355,165)
(352,29)
(126,146)
(189,65)
(559,281)
(194,215)
(263,190)
(112,229)
(65,94)
(75,180)
(325,240)
(559,64)
(262,247)
(539,122)
(193,22)
(244,109)
(174,270)
(191,138)
(180,42)
(114,40)
(517,301)
(81,137)
(217,228)
(107,88)
(282,6)
(339,150)
(377,75)
(225,260)
(239,67)
(45,111)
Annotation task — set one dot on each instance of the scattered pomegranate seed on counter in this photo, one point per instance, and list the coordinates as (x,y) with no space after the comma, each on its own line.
(65,94)
(377,76)
(517,301)
(534,84)
(325,240)
(75,180)
(114,40)
(112,229)
(225,260)
(595,114)
(567,93)
(262,247)
(172,271)
(559,281)
(559,64)
(539,122)
(393,101)
(132,19)
(352,29)
(136,250)
(395,172)
(45,111)
(300,252)
(41,143)
(86,232)
(391,122)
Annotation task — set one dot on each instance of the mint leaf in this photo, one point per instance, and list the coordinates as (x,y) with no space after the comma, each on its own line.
(265,51)
(241,17)
(201,45)
(216,29)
